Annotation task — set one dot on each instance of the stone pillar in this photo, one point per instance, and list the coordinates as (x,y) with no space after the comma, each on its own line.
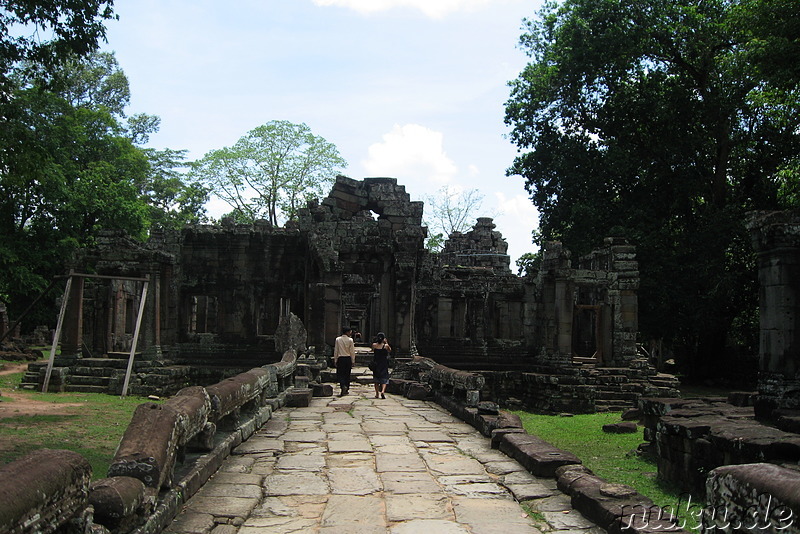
(564,311)
(332,326)
(315,318)
(72,329)
(776,239)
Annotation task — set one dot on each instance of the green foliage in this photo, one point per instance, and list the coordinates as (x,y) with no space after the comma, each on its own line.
(70,167)
(42,34)
(655,118)
(609,456)
(271,172)
(529,263)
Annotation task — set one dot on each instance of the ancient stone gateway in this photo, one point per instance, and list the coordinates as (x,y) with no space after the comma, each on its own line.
(218,293)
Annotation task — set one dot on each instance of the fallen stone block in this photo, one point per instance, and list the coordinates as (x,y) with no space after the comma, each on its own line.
(43,490)
(764,496)
(193,406)
(117,500)
(625,427)
(322,390)
(147,450)
(634,414)
(537,456)
(615,507)
(419,391)
(299,397)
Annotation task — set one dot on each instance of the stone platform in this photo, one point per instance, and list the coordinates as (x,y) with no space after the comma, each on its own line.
(356,464)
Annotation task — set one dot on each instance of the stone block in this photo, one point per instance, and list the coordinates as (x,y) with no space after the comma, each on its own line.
(147,450)
(116,500)
(764,496)
(419,391)
(299,397)
(539,457)
(321,390)
(43,490)
(498,433)
(625,427)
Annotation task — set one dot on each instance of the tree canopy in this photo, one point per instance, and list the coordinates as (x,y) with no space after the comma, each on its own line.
(70,166)
(41,35)
(271,171)
(665,121)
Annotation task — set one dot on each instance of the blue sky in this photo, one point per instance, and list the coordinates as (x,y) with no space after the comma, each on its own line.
(412,89)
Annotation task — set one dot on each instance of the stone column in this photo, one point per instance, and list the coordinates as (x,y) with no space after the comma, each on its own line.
(72,330)
(776,239)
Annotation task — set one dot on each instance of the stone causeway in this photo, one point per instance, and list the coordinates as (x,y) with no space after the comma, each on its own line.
(360,465)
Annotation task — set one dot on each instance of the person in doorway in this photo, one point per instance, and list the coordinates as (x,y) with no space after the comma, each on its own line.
(344,358)
(380,357)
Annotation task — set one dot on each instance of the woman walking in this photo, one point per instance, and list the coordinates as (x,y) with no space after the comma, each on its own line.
(380,357)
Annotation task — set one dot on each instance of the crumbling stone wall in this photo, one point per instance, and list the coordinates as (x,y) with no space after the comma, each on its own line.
(217,294)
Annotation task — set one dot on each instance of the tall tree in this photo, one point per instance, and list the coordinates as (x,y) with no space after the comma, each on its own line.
(450,210)
(650,118)
(70,166)
(271,171)
(42,34)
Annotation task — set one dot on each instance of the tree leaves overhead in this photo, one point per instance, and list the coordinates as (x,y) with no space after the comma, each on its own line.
(663,120)
(43,33)
(270,172)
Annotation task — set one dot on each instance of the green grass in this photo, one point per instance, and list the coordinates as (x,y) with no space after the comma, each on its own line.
(609,456)
(92,429)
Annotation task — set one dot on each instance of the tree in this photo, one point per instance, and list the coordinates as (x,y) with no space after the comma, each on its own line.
(70,167)
(652,117)
(73,28)
(173,200)
(271,171)
(451,210)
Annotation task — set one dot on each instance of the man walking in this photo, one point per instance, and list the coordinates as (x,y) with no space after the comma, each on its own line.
(344,358)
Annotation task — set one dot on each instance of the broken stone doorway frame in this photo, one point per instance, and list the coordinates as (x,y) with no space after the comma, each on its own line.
(62,312)
(594,312)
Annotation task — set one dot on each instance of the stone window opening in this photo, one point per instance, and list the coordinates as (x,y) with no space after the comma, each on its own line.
(203,316)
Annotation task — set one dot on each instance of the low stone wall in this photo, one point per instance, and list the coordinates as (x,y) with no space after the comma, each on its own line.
(753,498)
(578,389)
(615,507)
(49,491)
(691,437)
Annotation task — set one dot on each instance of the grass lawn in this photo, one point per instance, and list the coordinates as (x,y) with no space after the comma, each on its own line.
(92,426)
(609,456)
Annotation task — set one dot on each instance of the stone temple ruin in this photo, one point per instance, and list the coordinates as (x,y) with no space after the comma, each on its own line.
(560,340)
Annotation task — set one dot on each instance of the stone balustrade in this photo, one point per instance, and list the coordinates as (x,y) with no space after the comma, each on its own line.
(49,490)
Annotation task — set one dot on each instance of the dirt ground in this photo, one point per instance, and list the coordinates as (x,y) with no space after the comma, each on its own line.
(14,403)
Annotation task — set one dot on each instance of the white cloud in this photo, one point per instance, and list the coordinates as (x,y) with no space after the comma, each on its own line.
(432,8)
(517,219)
(411,153)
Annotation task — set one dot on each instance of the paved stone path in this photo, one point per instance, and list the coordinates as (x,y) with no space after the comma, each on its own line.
(360,465)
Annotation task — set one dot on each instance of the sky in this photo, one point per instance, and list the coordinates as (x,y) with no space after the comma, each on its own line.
(409,89)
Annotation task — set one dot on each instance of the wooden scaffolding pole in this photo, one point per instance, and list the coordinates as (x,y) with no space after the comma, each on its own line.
(135,338)
(57,335)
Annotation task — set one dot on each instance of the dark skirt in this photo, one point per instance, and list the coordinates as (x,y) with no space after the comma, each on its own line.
(381,371)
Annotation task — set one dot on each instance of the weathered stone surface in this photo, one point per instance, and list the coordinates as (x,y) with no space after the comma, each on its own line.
(193,406)
(763,497)
(625,427)
(299,397)
(535,454)
(116,500)
(43,490)
(148,447)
